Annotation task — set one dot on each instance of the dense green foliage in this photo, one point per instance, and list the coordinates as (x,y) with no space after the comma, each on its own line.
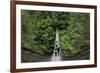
(76,37)
(38,31)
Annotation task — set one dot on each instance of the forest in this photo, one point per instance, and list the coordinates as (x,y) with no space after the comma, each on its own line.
(38,34)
